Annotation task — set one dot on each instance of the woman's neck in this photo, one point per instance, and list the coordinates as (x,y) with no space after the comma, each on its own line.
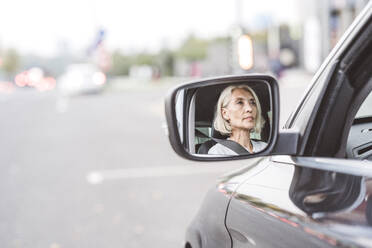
(243,138)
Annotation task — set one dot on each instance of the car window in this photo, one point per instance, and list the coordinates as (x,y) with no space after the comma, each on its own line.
(204,133)
(311,99)
(359,142)
(300,117)
(365,109)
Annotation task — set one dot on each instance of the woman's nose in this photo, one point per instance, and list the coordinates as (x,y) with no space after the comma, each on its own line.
(248,108)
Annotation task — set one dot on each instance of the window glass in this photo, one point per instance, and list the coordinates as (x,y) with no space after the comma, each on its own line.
(359,143)
(311,99)
(366,108)
(199,138)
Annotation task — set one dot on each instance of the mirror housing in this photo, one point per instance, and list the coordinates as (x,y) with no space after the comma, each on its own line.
(180,116)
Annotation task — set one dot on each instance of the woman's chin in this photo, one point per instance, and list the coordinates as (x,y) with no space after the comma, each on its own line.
(249,126)
(245,128)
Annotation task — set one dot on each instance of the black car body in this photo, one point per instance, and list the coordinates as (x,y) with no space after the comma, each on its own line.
(312,189)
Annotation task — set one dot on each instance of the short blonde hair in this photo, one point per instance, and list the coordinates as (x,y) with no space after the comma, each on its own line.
(222,125)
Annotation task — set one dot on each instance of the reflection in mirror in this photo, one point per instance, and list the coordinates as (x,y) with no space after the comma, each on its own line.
(334,197)
(318,191)
(225,119)
(179,112)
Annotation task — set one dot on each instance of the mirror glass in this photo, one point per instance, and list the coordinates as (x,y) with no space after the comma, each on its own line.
(225,119)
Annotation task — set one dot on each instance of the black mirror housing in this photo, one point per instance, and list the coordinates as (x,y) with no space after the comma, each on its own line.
(184,119)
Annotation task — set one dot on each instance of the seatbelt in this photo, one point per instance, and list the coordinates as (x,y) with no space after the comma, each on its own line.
(232,145)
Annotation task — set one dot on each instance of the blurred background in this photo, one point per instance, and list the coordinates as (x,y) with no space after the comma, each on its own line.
(84,155)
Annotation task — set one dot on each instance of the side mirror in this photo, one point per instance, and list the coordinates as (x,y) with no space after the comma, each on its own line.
(224,118)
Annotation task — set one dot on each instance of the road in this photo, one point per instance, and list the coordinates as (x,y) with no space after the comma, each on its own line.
(98,171)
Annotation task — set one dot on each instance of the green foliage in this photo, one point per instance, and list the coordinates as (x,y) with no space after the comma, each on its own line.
(259,36)
(225,40)
(193,49)
(120,64)
(165,62)
(11,61)
(144,59)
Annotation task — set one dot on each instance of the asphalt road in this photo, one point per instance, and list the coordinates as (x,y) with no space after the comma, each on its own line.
(97,171)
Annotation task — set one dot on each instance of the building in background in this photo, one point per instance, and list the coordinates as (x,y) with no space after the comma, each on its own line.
(301,42)
(323,23)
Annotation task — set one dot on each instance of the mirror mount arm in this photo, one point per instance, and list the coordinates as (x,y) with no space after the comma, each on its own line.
(287,142)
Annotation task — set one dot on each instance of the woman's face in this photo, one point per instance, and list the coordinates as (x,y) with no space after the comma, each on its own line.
(241,111)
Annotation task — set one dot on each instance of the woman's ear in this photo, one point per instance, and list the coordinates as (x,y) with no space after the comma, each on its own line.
(225,114)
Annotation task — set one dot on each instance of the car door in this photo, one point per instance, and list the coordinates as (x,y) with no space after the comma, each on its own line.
(319,197)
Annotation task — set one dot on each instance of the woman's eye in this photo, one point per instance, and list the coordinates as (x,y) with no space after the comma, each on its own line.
(252,102)
(239,102)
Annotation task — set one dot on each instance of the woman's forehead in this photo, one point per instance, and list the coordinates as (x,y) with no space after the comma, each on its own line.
(241,93)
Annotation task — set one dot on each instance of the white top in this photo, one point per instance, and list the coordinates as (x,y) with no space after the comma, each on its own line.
(219,149)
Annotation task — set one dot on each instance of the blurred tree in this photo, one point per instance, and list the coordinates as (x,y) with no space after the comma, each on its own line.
(221,39)
(11,62)
(165,61)
(193,49)
(120,64)
(144,59)
(259,36)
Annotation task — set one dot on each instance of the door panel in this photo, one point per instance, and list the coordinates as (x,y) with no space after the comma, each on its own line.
(290,204)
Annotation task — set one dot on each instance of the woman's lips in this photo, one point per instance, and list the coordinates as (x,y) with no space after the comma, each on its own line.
(249,118)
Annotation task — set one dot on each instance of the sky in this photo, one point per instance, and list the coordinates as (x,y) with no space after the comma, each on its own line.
(41,26)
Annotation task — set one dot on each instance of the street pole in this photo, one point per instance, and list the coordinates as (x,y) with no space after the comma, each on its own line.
(237,31)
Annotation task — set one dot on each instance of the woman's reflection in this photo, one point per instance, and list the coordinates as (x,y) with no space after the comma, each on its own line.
(238,115)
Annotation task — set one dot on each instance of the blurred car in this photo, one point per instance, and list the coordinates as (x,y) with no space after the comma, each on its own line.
(312,185)
(35,78)
(81,79)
